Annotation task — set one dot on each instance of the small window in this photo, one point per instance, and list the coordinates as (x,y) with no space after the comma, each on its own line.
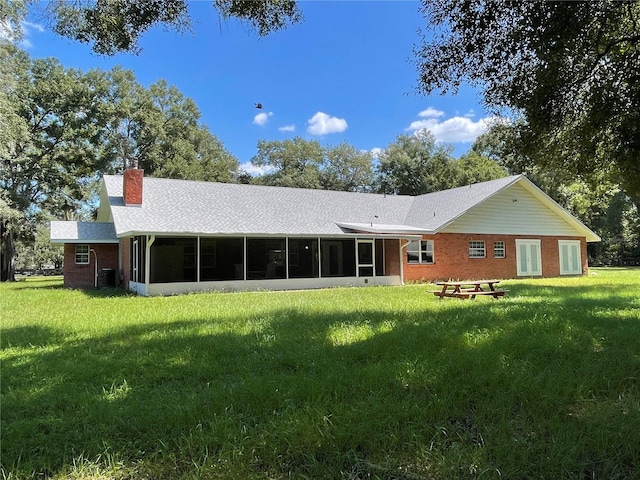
(477,249)
(498,249)
(82,254)
(420,251)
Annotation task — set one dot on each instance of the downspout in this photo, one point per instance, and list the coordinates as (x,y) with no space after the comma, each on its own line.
(95,265)
(402,247)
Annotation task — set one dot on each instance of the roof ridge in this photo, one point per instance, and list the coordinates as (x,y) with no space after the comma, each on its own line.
(250,185)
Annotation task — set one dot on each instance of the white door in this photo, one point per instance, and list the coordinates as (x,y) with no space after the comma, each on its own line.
(570,258)
(365,258)
(528,258)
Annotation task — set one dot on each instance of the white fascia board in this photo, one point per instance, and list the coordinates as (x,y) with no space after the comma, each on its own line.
(395,236)
(384,229)
(81,241)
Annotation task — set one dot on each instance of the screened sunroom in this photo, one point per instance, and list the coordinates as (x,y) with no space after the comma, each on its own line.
(161,265)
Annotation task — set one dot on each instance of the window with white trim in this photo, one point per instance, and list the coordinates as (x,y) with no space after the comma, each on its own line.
(82,254)
(498,250)
(420,251)
(477,249)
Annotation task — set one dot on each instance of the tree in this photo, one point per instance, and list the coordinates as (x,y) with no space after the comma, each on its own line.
(158,129)
(290,163)
(113,26)
(414,165)
(63,128)
(40,253)
(54,141)
(473,167)
(10,224)
(569,70)
(347,169)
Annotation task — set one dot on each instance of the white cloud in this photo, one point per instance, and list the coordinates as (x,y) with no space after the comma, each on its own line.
(254,171)
(453,130)
(431,113)
(375,152)
(262,118)
(323,124)
(32,26)
(9,32)
(6,31)
(287,128)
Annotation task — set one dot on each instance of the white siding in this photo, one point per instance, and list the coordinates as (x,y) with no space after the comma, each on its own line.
(513,211)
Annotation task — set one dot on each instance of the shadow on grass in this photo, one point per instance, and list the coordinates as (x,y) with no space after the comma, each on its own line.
(519,387)
(42,283)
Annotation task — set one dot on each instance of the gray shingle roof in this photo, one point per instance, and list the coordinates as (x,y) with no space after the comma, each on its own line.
(182,207)
(82,232)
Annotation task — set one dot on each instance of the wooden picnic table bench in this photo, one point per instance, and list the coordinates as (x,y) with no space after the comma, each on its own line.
(469,289)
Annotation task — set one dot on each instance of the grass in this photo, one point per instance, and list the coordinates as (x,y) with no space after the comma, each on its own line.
(358,383)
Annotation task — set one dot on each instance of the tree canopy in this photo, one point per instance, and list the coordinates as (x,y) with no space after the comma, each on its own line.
(62,128)
(113,26)
(414,165)
(569,70)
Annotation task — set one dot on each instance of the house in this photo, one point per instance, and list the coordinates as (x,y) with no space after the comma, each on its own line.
(158,236)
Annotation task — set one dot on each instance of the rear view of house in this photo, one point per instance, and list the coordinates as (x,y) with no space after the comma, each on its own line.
(159,236)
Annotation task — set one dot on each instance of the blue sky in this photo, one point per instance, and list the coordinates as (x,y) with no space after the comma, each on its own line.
(343,74)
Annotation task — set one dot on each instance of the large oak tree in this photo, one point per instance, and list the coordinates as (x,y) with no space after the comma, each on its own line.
(569,70)
(61,128)
(112,26)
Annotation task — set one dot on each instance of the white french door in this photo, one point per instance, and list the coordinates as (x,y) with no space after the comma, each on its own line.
(528,258)
(570,258)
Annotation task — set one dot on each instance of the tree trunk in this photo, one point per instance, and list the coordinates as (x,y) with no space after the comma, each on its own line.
(7,261)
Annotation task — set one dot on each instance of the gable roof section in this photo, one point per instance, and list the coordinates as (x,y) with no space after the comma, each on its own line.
(83,232)
(183,207)
(434,211)
(519,208)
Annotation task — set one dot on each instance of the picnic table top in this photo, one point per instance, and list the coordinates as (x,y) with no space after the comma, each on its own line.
(469,282)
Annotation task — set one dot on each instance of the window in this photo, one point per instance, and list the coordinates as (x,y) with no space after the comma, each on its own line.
(420,251)
(303,258)
(221,258)
(338,258)
(173,260)
(82,254)
(266,258)
(498,249)
(477,249)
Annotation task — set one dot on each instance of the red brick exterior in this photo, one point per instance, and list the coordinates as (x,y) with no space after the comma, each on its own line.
(451,258)
(132,186)
(83,275)
(391,253)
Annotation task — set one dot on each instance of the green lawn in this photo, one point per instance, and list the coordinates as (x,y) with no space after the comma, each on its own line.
(353,383)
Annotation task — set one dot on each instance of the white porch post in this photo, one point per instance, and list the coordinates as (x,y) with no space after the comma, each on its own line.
(147,262)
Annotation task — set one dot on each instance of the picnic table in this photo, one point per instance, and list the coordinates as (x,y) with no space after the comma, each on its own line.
(469,289)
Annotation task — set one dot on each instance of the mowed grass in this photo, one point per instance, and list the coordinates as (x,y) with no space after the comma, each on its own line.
(352,383)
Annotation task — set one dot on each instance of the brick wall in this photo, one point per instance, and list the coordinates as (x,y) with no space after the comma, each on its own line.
(83,275)
(451,257)
(391,252)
